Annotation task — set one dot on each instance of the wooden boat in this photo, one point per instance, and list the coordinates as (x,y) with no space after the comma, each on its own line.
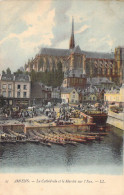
(90,138)
(21,141)
(45,144)
(99,117)
(98,138)
(8,141)
(56,142)
(33,141)
(71,143)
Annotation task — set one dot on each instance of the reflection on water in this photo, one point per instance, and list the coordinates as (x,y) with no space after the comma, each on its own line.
(100,157)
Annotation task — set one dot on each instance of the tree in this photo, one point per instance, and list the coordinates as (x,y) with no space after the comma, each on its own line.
(52,78)
(3,72)
(19,72)
(33,75)
(60,74)
(2,102)
(8,71)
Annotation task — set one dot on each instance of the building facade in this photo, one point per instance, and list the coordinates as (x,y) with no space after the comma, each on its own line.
(119,59)
(15,89)
(100,83)
(69,95)
(74,79)
(115,96)
(56,95)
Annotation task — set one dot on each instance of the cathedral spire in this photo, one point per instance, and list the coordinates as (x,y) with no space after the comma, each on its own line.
(72,42)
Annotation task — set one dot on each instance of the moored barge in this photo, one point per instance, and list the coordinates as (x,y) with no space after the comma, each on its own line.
(98,117)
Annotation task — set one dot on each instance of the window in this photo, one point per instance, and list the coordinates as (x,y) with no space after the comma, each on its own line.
(105,71)
(9,94)
(18,94)
(73,96)
(9,86)
(24,94)
(4,93)
(18,86)
(4,86)
(24,87)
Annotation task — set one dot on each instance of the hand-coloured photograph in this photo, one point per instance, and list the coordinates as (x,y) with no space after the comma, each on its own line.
(61,87)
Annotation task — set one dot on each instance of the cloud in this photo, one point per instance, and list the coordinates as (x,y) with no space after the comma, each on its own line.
(62,20)
(82,29)
(92,40)
(38,20)
(26,26)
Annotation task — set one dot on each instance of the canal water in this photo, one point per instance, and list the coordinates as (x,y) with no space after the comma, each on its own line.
(97,157)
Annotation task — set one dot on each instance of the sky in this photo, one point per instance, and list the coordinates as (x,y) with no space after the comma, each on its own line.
(28,25)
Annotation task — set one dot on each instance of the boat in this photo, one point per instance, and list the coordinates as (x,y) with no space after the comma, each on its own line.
(8,141)
(71,143)
(55,141)
(21,141)
(45,143)
(32,140)
(98,138)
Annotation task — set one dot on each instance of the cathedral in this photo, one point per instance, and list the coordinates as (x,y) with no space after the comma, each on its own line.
(90,64)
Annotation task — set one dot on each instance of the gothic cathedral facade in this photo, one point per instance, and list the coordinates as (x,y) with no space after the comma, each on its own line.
(91,64)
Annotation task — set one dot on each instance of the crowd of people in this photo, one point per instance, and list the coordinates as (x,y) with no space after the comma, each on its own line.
(59,113)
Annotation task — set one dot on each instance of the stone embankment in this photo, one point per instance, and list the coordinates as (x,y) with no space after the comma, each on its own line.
(116,119)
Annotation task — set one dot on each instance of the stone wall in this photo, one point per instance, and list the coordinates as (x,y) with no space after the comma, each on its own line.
(116,119)
(16,128)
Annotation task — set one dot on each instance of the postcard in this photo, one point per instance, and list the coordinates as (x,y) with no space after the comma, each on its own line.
(61,97)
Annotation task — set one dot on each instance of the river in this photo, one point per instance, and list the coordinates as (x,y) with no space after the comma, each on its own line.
(97,157)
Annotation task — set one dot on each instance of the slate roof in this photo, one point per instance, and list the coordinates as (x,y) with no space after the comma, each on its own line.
(15,77)
(66,52)
(66,90)
(55,52)
(112,91)
(7,77)
(76,50)
(105,80)
(56,90)
(98,81)
(99,55)
(22,78)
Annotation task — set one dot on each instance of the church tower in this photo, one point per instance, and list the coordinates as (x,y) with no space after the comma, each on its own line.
(72,42)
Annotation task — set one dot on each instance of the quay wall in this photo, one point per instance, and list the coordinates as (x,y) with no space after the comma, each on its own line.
(18,128)
(70,128)
(21,128)
(116,119)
